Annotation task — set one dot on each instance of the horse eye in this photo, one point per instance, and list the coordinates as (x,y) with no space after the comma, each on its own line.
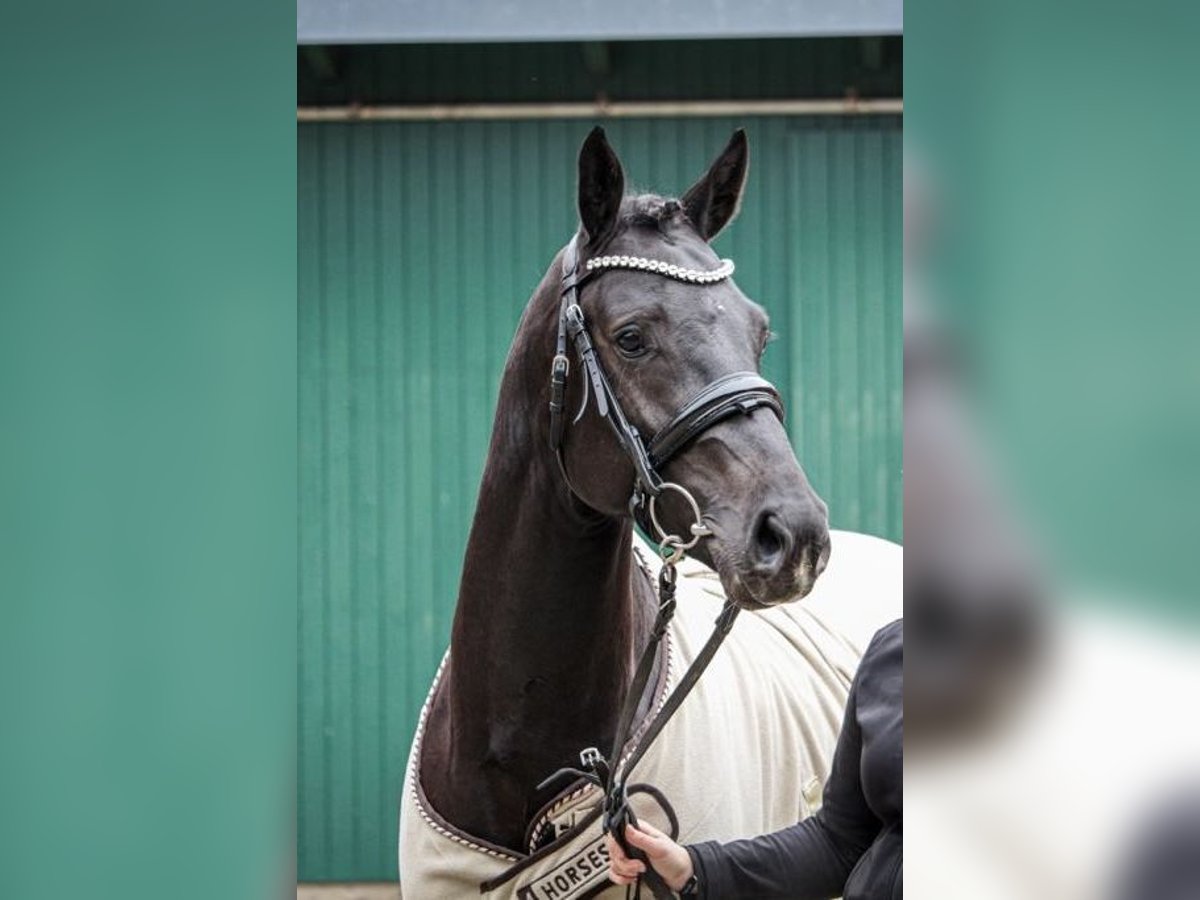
(630,341)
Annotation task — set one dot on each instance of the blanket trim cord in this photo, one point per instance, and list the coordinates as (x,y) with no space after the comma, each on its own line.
(428,813)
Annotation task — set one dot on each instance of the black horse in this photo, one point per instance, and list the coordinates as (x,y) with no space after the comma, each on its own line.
(552,611)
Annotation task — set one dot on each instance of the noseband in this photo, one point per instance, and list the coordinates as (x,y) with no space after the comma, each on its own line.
(738,392)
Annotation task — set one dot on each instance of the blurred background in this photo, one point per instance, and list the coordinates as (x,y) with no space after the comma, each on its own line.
(1052,392)
(437,145)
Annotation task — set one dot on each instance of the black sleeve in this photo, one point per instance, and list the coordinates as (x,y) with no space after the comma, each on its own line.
(812,859)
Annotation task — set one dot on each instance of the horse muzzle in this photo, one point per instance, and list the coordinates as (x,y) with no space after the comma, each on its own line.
(785,548)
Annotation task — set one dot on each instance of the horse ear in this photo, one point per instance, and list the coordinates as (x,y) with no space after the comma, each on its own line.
(601,187)
(713,201)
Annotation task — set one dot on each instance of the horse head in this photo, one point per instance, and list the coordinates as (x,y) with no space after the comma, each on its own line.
(663,334)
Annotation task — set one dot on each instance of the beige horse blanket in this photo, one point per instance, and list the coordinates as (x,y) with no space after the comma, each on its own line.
(748,752)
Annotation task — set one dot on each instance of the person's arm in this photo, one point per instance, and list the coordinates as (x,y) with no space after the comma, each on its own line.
(808,861)
(812,859)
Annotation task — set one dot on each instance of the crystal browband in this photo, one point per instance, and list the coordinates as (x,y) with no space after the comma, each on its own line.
(640,263)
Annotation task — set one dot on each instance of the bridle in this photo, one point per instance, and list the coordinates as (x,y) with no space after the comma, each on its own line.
(738,392)
(729,395)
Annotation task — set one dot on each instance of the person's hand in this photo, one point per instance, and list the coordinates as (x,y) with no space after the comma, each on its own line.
(669,859)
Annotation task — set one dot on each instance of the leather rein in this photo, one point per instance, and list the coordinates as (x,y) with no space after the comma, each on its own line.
(733,394)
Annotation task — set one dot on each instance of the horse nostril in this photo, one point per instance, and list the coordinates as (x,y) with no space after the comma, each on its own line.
(817,553)
(771,541)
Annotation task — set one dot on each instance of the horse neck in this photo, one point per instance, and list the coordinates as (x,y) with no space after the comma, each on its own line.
(551,613)
(546,617)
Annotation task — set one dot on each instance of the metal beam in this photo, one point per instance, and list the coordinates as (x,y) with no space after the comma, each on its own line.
(632,110)
(455,21)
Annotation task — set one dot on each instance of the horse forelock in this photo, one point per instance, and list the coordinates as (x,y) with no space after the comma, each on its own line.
(650,210)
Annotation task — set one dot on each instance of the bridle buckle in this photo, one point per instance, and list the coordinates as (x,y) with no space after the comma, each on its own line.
(560,369)
(590,758)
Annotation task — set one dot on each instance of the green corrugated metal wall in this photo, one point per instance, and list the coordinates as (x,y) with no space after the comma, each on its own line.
(419,245)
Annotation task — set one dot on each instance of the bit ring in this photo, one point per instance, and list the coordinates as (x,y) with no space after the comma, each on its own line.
(698,528)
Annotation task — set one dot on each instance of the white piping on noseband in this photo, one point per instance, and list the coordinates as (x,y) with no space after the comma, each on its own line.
(679,273)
